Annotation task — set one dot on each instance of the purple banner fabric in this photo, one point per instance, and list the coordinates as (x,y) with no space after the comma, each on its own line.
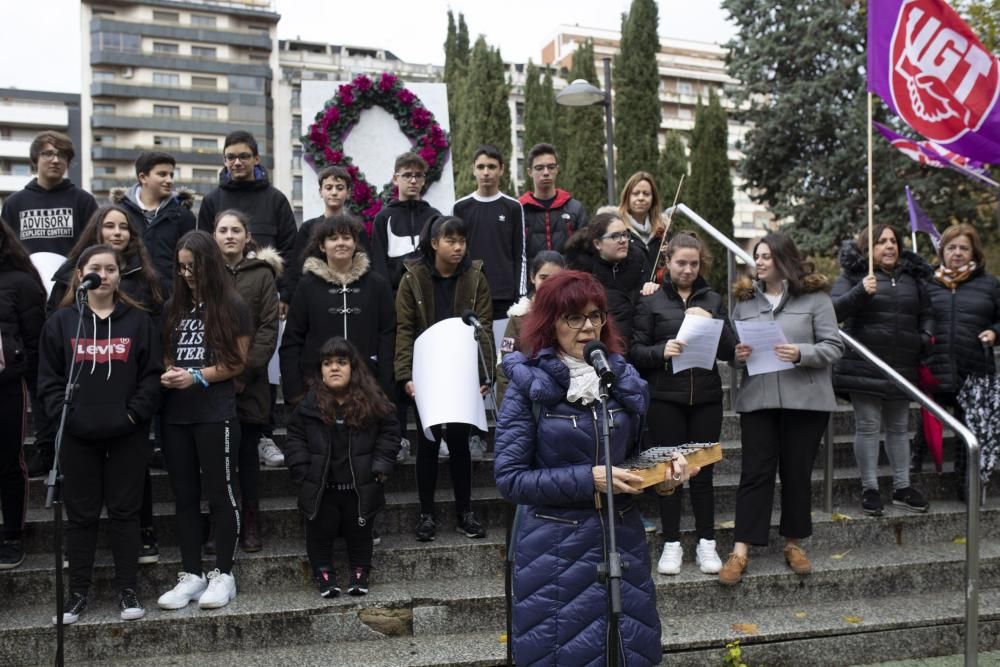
(930,68)
(930,153)
(919,222)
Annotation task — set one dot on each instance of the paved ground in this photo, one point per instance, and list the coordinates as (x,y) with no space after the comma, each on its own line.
(991,659)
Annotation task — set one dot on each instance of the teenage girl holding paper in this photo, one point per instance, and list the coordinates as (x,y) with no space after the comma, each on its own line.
(686,406)
(781,422)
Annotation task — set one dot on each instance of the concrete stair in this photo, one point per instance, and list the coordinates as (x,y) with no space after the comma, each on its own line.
(883,588)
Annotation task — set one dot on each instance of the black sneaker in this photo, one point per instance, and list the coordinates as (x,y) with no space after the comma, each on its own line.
(75,605)
(469,525)
(11,554)
(359,581)
(871,502)
(327,583)
(39,464)
(148,552)
(131,605)
(909,499)
(376,537)
(426,528)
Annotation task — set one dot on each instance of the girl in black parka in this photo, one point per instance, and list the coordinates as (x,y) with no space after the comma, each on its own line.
(342,442)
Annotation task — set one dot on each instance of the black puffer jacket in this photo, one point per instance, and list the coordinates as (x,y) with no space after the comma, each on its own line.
(658,318)
(22,314)
(309,448)
(959,317)
(622,282)
(896,323)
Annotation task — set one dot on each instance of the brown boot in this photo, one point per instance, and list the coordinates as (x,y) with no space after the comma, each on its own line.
(732,571)
(250,535)
(796,558)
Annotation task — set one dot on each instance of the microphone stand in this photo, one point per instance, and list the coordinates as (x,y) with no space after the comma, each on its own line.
(611,569)
(53,497)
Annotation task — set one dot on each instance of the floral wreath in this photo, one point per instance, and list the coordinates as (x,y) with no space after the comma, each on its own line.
(324,142)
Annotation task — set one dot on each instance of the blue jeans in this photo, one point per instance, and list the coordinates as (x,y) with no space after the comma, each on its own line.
(870,414)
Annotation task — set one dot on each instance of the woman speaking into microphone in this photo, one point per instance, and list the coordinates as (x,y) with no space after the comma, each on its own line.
(550,462)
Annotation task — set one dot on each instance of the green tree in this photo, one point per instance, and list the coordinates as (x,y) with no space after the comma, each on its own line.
(581,147)
(673,164)
(802,69)
(637,84)
(711,187)
(456,64)
(984,19)
(539,109)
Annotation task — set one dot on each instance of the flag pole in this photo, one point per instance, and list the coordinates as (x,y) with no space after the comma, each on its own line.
(913,240)
(871,190)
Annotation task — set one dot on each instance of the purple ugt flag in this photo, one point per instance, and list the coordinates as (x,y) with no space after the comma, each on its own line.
(919,222)
(934,73)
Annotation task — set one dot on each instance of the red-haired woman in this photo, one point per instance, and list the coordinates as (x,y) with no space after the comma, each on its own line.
(547,462)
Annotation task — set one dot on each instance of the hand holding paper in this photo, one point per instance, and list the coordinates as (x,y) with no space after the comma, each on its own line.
(765,337)
(699,341)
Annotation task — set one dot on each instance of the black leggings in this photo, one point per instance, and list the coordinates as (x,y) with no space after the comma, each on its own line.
(459,464)
(338,517)
(249,463)
(189,450)
(100,473)
(672,424)
(13,473)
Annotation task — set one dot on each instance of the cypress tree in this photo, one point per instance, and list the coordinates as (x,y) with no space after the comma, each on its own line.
(584,162)
(673,165)
(637,84)
(456,63)
(539,112)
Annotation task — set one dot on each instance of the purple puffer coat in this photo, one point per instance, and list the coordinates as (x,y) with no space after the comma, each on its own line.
(545,467)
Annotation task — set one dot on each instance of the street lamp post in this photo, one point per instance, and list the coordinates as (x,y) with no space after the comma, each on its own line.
(581,93)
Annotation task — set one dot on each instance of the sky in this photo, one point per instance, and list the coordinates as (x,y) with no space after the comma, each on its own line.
(412,29)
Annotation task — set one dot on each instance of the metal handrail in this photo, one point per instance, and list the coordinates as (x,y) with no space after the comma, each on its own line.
(971,444)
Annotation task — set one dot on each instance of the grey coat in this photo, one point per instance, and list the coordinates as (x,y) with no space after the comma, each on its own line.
(809,321)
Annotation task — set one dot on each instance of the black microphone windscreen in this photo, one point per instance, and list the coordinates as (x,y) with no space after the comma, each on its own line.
(90,281)
(469,317)
(594,346)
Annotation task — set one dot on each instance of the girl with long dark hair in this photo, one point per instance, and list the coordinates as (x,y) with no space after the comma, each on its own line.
(105,445)
(22,314)
(342,442)
(206,338)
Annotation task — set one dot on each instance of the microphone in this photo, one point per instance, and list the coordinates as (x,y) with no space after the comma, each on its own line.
(89,282)
(595,353)
(469,317)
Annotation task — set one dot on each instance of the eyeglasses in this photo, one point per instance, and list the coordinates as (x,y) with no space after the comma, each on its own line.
(410,176)
(242,157)
(577,321)
(616,237)
(53,155)
(187,269)
(539,168)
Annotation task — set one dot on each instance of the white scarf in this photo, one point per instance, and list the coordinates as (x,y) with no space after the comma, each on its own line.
(584,385)
(645,230)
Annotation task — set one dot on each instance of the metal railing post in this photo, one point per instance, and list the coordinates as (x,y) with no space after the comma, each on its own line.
(731,278)
(828,467)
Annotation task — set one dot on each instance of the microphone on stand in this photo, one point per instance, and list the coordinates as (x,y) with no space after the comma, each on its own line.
(89,282)
(595,353)
(469,318)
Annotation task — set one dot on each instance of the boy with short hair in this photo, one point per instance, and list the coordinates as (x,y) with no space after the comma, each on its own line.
(551,215)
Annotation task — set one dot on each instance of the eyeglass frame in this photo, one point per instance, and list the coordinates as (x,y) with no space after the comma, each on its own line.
(184,269)
(411,177)
(49,154)
(242,157)
(622,236)
(602,319)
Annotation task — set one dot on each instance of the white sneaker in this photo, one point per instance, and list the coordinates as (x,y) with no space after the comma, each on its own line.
(670,560)
(220,592)
(477,448)
(269,453)
(443,451)
(707,557)
(404,450)
(189,587)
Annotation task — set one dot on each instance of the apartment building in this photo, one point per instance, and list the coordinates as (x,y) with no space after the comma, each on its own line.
(177,76)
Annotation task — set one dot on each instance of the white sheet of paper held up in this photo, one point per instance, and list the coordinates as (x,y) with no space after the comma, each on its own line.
(701,335)
(762,336)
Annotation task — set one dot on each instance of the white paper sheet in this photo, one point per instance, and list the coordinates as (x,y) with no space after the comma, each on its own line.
(446,376)
(762,336)
(273,367)
(701,335)
(47,263)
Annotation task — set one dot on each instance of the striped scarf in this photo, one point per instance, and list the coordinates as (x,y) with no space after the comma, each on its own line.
(952,278)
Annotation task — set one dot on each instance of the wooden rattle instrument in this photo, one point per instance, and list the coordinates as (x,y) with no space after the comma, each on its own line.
(655,465)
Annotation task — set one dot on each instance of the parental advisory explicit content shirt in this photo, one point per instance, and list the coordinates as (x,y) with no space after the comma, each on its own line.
(48,220)
(197,404)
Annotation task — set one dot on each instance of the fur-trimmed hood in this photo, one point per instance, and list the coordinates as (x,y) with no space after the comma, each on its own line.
(269,256)
(359,267)
(521,308)
(855,264)
(744,288)
(184,196)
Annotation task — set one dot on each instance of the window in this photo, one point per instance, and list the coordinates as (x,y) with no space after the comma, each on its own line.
(114,41)
(166,110)
(237,82)
(297,158)
(20,169)
(166,17)
(166,47)
(261,29)
(204,112)
(204,51)
(104,140)
(103,108)
(259,56)
(684,113)
(201,143)
(166,142)
(203,174)
(100,76)
(204,82)
(296,127)
(104,171)
(297,188)
(166,79)
(203,21)
(296,98)
(684,88)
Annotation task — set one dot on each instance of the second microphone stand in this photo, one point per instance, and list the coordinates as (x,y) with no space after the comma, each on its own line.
(611,569)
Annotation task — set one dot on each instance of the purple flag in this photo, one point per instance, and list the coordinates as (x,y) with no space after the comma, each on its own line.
(930,153)
(919,222)
(930,68)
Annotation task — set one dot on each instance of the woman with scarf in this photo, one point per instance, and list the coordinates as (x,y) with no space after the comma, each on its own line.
(642,211)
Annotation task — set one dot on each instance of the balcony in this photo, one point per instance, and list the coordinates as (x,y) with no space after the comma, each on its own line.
(15,148)
(174,61)
(13,182)
(202,186)
(159,92)
(244,38)
(207,156)
(34,115)
(189,124)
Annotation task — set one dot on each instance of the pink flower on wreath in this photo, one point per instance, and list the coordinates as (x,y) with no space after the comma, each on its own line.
(373,210)
(318,135)
(420,117)
(387,81)
(362,192)
(332,115)
(346,94)
(352,170)
(429,155)
(332,156)
(406,97)
(362,83)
